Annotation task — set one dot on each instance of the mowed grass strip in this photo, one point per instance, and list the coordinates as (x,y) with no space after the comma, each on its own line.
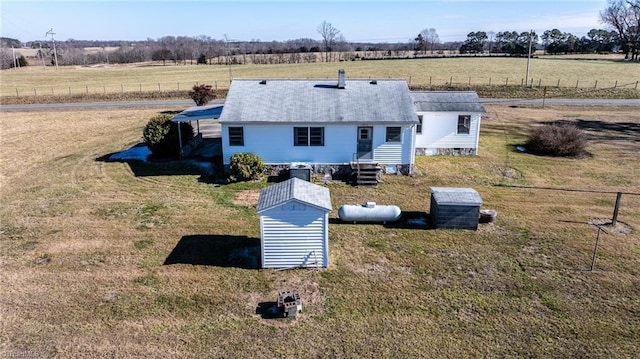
(84,244)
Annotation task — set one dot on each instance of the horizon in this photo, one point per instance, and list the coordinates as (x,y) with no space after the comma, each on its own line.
(393,21)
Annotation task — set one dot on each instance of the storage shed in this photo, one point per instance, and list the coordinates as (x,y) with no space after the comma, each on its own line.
(294,224)
(455,208)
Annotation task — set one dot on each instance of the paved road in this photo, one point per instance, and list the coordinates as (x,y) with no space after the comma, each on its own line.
(189,103)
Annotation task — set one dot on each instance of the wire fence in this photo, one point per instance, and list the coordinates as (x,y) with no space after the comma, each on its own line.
(414,82)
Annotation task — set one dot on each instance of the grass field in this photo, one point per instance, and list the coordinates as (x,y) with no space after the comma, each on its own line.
(84,244)
(567,72)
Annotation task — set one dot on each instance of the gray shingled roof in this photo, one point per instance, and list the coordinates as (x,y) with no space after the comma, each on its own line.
(447,101)
(289,101)
(294,189)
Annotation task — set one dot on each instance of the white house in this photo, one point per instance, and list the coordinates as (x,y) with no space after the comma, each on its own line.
(324,122)
(449,122)
(294,224)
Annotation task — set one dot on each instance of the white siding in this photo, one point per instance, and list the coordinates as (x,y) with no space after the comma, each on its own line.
(274,144)
(294,237)
(439,130)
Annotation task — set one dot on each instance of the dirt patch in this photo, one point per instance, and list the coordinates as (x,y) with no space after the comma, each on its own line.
(247,198)
(605,223)
(301,281)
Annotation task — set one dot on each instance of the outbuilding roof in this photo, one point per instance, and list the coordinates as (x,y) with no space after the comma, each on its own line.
(318,101)
(294,189)
(447,101)
(456,196)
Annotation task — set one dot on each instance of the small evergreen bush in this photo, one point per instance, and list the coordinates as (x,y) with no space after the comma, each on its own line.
(202,94)
(161,136)
(246,167)
(557,140)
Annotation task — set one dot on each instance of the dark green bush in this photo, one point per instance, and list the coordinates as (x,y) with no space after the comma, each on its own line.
(557,140)
(161,136)
(202,94)
(246,167)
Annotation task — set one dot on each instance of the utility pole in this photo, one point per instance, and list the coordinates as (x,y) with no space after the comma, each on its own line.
(226,40)
(526,81)
(55,54)
(15,60)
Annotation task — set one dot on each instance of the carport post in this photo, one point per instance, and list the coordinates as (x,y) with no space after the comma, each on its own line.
(180,138)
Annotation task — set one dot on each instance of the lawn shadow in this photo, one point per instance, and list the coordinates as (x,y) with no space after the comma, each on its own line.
(408,220)
(268,310)
(216,250)
(205,160)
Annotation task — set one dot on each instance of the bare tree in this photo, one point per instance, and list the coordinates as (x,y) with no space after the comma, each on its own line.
(431,39)
(624,17)
(329,35)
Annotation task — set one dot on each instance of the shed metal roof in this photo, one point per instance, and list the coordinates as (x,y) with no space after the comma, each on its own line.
(456,196)
(294,189)
(447,101)
(318,101)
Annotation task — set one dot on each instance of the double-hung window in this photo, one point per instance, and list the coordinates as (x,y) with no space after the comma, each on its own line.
(394,134)
(308,136)
(464,124)
(419,125)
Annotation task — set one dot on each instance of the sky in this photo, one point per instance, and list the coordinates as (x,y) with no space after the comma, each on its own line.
(357,20)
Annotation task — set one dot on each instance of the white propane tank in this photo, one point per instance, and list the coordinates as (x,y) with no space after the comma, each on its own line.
(369,212)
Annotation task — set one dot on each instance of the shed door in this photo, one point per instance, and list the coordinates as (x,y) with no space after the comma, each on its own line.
(365,143)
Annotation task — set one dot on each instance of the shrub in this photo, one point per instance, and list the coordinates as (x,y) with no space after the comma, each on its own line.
(557,140)
(202,94)
(161,136)
(246,166)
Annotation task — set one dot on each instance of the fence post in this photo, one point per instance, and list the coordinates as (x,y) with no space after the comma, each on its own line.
(35,93)
(215,84)
(451,81)
(596,84)
(17,93)
(87,88)
(158,87)
(178,86)
(140,87)
(595,250)
(69,90)
(469,80)
(616,85)
(409,80)
(489,81)
(577,81)
(539,82)
(558,85)
(104,89)
(636,85)
(614,220)
(506,82)
(522,82)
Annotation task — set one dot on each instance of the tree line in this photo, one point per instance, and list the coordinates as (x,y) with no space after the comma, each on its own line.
(622,18)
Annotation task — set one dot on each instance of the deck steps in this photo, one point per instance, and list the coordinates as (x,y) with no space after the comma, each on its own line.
(365,174)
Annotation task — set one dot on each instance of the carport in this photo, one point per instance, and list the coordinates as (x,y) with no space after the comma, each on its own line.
(197,114)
